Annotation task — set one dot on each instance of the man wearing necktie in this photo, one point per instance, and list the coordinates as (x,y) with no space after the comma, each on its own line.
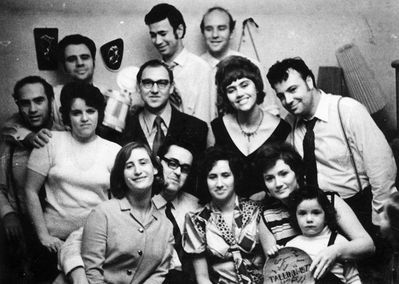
(192,74)
(367,180)
(177,162)
(159,121)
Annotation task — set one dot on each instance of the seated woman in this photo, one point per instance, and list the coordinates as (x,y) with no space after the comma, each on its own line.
(224,234)
(74,168)
(245,127)
(282,170)
(127,239)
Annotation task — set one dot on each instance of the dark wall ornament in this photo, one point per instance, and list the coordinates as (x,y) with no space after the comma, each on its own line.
(46,40)
(112,53)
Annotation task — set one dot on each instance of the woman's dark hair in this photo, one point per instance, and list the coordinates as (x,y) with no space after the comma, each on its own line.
(309,193)
(117,180)
(268,155)
(85,91)
(231,69)
(208,161)
(392,211)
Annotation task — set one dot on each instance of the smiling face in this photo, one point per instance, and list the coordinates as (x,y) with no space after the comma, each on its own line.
(176,178)
(79,63)
(297,94)
(166,41)
(220,182)
(311,217)
(33,105)
(156,97)
(84,120)
(242,94)
(280,180)
(217,33)
(139,172)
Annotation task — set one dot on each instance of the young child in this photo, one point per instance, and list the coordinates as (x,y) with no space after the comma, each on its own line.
(315,216)
(390,229)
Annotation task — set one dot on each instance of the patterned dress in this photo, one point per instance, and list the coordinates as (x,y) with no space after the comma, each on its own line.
(233,255)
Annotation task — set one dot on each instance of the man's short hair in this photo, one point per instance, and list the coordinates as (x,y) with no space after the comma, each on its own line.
(75,39)
(232,22)
(166,11)
(48,89)
(154,63)
(279,72)
(182,143)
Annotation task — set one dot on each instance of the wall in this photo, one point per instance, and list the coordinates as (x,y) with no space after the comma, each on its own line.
(312,29)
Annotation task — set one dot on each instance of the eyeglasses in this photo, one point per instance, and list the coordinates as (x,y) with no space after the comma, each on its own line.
(174,164)
(148,83)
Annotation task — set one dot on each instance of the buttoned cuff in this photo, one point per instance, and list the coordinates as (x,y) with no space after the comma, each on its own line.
(71,263)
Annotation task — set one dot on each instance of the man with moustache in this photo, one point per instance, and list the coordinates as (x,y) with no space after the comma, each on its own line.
(33,96)
(76,54)
(192,75)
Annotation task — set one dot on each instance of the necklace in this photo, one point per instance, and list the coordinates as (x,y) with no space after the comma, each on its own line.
(249,134)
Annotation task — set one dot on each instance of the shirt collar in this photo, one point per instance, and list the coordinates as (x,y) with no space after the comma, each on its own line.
(322,108)
(124,205)
(166,115)
(214,61)
(213,208)
(160,202)
(182,57)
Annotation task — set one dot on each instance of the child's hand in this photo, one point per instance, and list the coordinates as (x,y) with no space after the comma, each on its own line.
(273,250)
(324,261)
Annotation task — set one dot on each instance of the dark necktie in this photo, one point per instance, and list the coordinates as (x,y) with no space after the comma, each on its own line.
(176,231)
(309,156)
(159,135)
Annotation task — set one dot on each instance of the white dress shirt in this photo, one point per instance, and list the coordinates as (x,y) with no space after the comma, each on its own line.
(373,156)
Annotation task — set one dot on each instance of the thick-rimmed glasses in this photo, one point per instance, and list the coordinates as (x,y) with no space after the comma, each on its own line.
(148,83)
(174,164)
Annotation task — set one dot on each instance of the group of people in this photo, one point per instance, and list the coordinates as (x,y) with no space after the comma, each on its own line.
(205,182)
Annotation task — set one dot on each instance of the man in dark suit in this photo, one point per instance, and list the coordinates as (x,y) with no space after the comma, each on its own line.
(159,121)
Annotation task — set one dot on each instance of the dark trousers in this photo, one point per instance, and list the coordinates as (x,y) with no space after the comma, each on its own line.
(373,269)
(26,261)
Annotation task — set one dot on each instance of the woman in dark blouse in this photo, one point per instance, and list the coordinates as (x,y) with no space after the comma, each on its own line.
(245,127)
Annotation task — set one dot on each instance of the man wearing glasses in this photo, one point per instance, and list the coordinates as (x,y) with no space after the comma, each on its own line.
(159,121)
(177,162)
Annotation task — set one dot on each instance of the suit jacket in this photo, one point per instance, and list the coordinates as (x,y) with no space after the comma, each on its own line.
(182,127)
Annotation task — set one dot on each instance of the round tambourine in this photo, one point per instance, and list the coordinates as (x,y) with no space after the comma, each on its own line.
(290,265)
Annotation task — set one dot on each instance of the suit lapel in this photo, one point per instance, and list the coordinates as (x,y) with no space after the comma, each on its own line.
(176,124)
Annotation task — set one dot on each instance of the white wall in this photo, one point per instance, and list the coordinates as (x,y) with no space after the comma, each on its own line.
(312,29)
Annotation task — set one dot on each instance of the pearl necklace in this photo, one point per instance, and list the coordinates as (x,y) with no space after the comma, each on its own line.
(249,134)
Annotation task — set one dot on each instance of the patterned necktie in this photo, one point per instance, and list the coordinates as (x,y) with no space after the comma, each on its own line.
(176,231)
(159,135)
(175,97)
(309,156)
